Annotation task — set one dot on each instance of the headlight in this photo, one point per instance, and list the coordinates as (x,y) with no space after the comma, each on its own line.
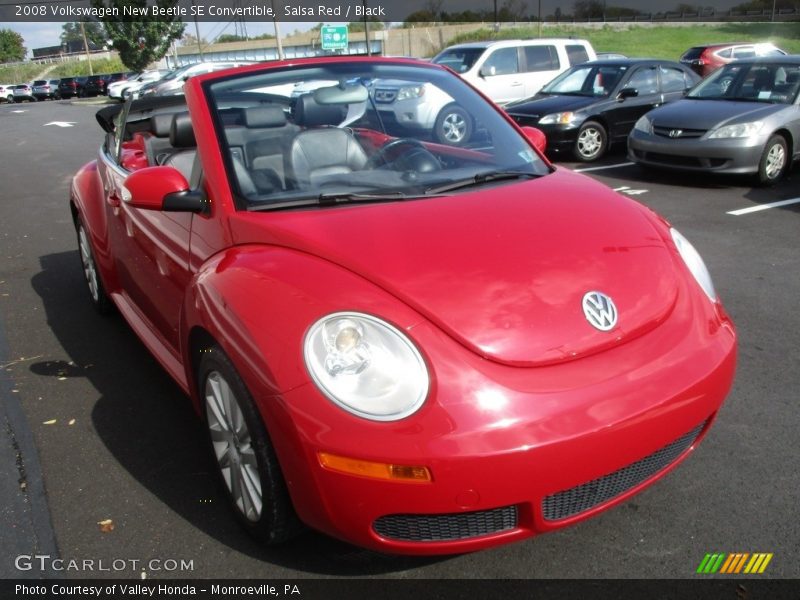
(412,91)
(737,131)
(695,263)
(366,366)
(644,124)
(562,118)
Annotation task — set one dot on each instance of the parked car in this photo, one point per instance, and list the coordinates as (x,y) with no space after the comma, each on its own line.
(96,85)
(514,69)
(172,83)
(706,59)
(586,109)
(24,92)
(609,55)
(118,89)
(44,89)
(743,118)
(301,305)
(71,86)
(6,92)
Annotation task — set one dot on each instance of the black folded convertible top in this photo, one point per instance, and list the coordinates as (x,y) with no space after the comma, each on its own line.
(105,116)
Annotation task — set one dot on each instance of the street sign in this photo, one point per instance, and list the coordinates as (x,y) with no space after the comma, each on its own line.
(334,37)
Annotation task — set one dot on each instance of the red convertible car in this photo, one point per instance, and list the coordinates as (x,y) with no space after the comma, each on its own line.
(411,346)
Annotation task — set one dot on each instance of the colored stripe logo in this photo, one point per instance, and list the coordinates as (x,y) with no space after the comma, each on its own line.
(735,563)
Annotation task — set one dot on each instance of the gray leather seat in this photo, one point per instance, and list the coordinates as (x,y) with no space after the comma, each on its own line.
(181,136)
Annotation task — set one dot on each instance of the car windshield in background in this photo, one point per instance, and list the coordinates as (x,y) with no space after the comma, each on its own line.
(596,81)
(751,82)
(360,132)
(459,59)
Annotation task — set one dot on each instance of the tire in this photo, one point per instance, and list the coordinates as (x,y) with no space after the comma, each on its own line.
(592,142)
(774,161)
(243,452)
(97,292)
(10,99)
(453,126)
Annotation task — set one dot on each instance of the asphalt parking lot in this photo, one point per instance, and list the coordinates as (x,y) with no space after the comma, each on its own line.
(117,440)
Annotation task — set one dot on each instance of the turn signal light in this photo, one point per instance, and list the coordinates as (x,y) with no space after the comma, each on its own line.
(375,470)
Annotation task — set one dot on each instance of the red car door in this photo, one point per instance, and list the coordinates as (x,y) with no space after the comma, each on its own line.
(150,250)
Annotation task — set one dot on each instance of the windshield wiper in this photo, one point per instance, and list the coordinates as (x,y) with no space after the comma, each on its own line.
(480,179)
(334,198)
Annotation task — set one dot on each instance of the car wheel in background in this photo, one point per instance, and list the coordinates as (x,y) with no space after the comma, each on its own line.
(97,293)
(453,126)
(246,460)
(10,99)
(591,143)
(773,161)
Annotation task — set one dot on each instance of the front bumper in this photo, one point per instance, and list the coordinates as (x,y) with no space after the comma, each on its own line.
(735,155)
(513,452)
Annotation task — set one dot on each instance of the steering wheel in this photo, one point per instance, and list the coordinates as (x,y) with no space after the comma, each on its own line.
(417,158)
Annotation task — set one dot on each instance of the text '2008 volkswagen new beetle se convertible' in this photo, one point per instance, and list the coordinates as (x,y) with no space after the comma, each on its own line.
(414,347)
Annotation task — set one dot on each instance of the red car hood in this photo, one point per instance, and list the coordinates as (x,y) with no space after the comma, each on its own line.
(503,269)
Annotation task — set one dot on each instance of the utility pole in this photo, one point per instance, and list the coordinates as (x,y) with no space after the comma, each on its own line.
(86,47)
(366,26)
(277,30)
(197,33)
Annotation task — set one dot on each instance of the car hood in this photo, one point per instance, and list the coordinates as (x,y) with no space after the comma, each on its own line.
(546,104)
(504,269)
(710,114)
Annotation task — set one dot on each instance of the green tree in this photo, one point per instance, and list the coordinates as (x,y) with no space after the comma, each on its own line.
(11,48)
(145,40)
(71,32)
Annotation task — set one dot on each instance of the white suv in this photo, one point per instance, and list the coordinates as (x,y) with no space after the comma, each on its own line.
(504,71)
(514,69)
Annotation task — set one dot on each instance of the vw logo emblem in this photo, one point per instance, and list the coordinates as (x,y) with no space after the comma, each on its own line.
(599,310)
(673,133)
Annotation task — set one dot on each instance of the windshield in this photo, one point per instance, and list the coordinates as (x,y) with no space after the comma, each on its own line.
(458,59)
(600,81)
(751,82)
(361,129)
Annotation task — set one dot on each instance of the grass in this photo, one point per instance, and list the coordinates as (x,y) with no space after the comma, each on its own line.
(27,72)
(653,42)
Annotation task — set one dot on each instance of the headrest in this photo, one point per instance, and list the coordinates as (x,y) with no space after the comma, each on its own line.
(161,124)
(181,134)
(264,116)
(310,114)
(793,76)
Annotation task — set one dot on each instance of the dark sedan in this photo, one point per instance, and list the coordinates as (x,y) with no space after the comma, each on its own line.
(594,104)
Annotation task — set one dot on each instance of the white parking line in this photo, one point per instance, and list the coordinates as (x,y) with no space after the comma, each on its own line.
(627,164)
(752,209)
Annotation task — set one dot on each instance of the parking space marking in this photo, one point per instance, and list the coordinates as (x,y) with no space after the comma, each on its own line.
(627,164)
(626,190)
(60,123)
(752,209)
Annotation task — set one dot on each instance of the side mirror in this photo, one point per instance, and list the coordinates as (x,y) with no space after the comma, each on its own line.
(536,137)
(487,72)
(627,93)
(162,188)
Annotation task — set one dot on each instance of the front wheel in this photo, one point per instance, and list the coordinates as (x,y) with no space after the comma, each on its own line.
(246,460)
(97,293)
(591,143)
(453,126)
(774,161)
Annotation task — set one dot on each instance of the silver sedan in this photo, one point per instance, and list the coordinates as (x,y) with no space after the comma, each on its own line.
(743,118)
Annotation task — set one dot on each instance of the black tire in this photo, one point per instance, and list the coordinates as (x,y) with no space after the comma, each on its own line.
(275,522)
(97,292)
(10,99)
(774,161)
(591,143)
(453,126)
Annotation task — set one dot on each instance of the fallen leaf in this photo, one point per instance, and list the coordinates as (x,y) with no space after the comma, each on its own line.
(62,378)
(72,422)
(106,525)
(50,422)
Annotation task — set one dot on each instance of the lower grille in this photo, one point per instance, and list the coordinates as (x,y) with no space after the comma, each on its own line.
(441,528)
(593,493)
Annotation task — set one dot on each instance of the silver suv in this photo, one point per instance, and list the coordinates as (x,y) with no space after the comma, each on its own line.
(172,83)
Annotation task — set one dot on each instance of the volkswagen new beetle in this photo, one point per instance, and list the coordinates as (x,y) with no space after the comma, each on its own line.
(415,347)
